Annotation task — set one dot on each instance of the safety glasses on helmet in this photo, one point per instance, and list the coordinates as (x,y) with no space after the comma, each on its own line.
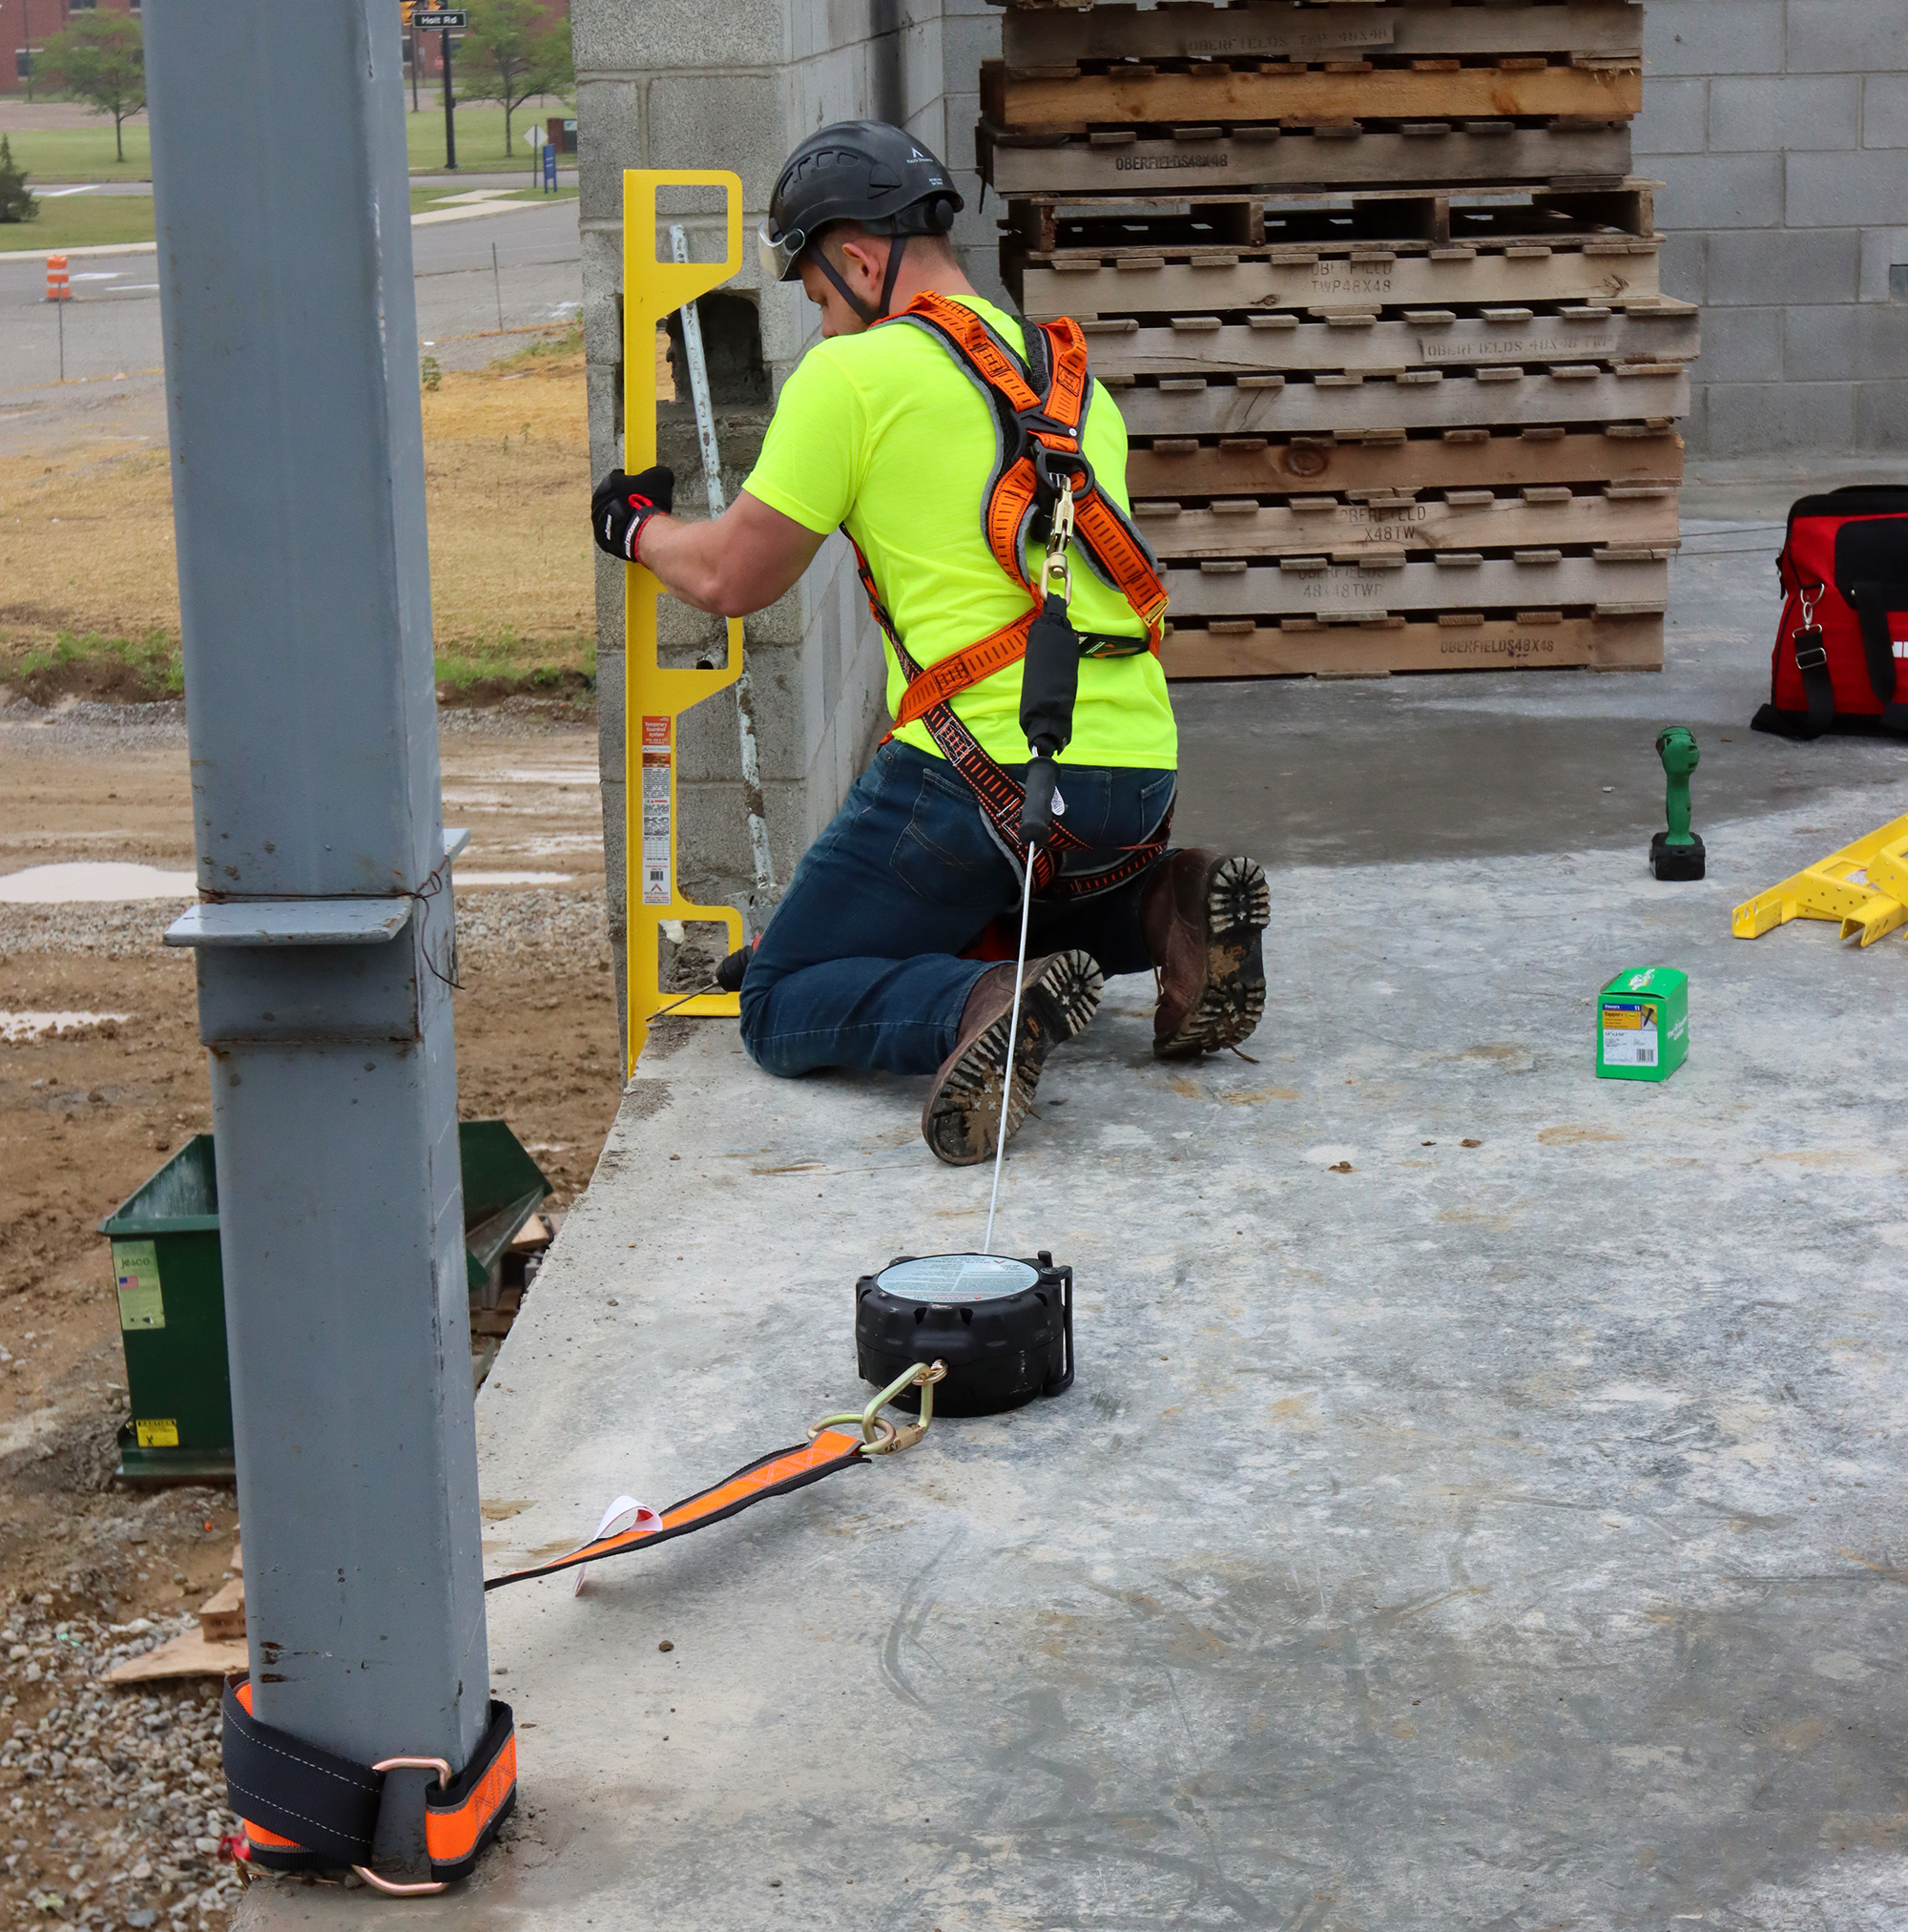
(779,254)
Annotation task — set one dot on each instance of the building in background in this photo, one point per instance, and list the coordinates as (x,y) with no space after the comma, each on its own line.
(29,24)
(1781,128)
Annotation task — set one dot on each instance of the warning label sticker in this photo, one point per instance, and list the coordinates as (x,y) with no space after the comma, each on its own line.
(1629,1035)
(136,1267)
(657,754)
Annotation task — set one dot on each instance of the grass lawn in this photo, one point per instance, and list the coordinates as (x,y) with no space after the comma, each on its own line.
(53,155)
(96,220)
(512,577)
(81,221)
(480,137)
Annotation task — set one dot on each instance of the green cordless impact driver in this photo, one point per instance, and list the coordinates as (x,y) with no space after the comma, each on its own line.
(1678,852)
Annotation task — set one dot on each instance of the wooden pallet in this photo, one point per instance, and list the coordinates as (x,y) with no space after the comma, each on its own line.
(1117,161)
(1184,468)
(1373,584)
(1573,344)
(1136,224)
(1333,277)
(1599,30)
(1457,642)
(1355,406)
(1077,100)
(1544,517)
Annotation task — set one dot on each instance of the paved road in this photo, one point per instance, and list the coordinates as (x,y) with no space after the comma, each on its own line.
(112,323)
(464,178)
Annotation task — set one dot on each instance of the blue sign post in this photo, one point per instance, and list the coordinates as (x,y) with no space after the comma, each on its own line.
(550,166)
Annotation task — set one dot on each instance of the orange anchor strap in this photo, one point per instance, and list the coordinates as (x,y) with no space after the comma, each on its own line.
(776,1474)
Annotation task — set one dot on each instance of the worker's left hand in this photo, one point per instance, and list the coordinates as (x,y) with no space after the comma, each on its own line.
(623,503)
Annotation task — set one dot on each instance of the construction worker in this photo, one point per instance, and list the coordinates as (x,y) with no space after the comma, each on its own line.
(941,437)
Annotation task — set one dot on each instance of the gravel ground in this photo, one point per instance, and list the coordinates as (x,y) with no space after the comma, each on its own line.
(112,1800)
(79,724)
(493,924)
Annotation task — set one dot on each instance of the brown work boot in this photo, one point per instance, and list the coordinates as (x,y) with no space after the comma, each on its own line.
(1201,919)
(963,1110)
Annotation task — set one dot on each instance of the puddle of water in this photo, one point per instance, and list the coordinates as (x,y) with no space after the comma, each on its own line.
(562,841)
(15,1027)
(465,878)
(93,880)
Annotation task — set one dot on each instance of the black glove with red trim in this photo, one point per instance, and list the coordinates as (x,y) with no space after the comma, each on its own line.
(623,503)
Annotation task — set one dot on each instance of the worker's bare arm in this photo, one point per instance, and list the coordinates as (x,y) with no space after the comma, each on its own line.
(740,562)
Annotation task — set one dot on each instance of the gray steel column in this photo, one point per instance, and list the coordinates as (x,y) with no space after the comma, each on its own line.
(325,934)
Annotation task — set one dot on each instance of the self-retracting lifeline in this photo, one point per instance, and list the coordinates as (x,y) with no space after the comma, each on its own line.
(1042,484)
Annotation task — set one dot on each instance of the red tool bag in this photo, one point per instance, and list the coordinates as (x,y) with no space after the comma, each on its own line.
(1844,635)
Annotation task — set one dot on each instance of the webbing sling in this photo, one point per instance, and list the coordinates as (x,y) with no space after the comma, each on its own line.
(305,1809)
(778,1474)
(1038,408)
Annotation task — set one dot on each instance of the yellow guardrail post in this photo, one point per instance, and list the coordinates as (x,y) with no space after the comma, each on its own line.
(655,698)
(1864,887)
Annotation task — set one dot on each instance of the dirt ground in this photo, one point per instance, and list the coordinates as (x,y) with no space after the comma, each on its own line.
(89,1111)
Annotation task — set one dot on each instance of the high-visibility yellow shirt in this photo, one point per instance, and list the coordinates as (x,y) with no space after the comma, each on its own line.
(884,433)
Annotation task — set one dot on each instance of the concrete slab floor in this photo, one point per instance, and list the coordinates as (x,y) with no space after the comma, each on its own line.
(1504,1533)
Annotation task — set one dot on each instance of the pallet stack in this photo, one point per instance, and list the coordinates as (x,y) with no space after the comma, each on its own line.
(1379,296)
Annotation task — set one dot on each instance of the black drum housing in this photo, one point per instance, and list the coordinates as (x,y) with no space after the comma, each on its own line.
(1004,1327)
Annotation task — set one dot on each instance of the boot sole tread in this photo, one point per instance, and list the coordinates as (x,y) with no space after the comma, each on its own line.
(1238,902)
(967,1106)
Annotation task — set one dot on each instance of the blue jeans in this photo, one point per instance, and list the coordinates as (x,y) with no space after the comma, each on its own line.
(860,966)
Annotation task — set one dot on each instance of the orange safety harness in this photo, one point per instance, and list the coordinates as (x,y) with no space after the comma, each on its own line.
(1039,406)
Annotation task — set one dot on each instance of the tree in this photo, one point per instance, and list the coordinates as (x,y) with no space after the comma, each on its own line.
(102,60)
(503,58)
(16,203)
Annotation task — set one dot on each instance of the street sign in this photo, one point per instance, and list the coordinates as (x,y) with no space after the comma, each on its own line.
(440,16)
(549,166)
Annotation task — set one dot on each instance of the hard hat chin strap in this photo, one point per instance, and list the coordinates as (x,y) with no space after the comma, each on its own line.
(869,315)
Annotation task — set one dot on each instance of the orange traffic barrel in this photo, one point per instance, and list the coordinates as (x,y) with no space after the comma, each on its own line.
(59,287)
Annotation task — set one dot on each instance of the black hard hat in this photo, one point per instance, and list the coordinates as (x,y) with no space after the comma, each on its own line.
(867,172)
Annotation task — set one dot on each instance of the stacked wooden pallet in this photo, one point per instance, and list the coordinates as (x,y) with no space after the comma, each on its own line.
(1381,304)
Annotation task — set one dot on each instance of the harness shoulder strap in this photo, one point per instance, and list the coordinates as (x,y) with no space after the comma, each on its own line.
(1040,408)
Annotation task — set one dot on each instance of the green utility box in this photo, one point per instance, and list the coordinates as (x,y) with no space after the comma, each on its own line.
(1642,1025)
(172,1293)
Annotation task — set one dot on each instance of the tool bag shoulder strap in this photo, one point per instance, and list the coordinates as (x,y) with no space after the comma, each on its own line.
(1844,628)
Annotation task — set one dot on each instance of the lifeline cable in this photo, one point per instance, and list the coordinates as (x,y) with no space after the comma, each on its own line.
(1013,1027)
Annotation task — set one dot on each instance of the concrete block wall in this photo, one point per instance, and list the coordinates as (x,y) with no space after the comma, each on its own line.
(1781,128)
(735,84)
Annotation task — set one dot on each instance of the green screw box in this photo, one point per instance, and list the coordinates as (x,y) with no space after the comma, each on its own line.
(1642,1025)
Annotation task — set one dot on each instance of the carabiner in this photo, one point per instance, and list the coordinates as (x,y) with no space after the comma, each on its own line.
(1056,573)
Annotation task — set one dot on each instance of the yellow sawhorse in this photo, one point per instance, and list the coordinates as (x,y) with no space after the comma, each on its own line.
(1864,886)
(656,698)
